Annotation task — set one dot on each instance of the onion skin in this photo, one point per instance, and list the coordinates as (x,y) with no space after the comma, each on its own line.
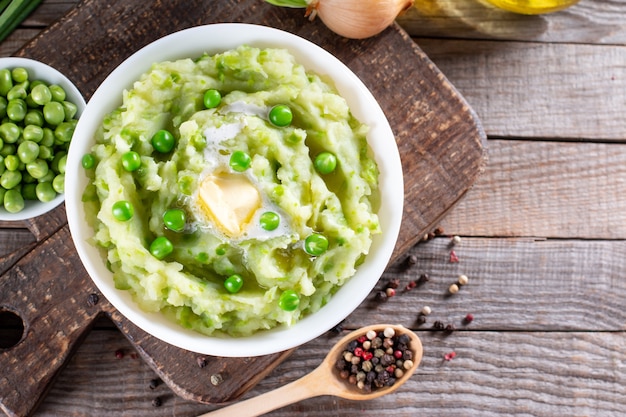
(357,19)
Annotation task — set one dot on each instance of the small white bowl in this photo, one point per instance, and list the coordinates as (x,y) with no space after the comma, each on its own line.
(40,71)
(191,43)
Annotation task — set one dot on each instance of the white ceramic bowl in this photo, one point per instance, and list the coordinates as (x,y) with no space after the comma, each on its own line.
(213,39)
(40,71)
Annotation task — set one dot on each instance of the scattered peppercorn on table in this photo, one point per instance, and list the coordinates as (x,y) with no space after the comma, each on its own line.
(517,293)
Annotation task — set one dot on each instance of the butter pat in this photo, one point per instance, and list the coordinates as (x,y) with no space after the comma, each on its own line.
(229,201)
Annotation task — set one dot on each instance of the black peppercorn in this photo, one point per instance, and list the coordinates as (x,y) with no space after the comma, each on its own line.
(438,325)
(155,382)
(381,296)
(157,402)
(93,299)
(202,362)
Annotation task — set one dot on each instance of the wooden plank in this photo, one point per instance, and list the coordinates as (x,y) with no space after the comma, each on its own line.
(493,374)
(590,21)
(546,189)
(525,89)
(514,285)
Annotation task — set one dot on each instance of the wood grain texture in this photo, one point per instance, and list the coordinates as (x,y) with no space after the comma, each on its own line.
(589,21)
(547,189)
(440,139)
(493,374)
(538,90)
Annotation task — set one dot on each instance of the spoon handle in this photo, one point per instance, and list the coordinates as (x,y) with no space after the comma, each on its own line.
(306,387)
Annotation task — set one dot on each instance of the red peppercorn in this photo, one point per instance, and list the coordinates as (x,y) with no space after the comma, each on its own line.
(449,356)
(397,354)
(358,352)
(119,354)
(469,318)
(390,369)
(362,339)
(453,257)
(367,356)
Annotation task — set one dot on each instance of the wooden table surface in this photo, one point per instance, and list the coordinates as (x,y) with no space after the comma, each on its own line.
(542,237)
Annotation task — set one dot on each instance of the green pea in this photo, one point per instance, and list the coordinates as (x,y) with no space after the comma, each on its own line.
(163,141)
(64,131)
(240,161)
(233,283)
(28,151)
(34,117)
(212,98)
(58,93)
(70,110)
(131,161)
(88,161)
(27,178)
(61,164)
(289,300)
(58,183)
(316,244)
(161,247)
(269,220)
(38,168)
(48,137)
(18,91)
(10,132)
(33,133)
(16,110)
(19,74)
(325,163)
(45,192)
(53,113)
(10,179)
(122,210)
(2,166)
(280,115)
(6,81)
(41,94)
(48,177)
(29,191)
(12,162)
(175,220)
(13,201)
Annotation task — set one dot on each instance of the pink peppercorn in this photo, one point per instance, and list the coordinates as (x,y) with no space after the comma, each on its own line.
(469,318)
(398,354)
(449,356)
(358,352)
(367,356)
(362,339)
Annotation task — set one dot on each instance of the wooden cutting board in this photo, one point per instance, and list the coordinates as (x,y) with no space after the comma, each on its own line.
(441,142)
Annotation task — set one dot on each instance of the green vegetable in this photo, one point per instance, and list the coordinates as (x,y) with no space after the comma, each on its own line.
(123,210)
(289,300)
(212,99)
(233,283)
(88,161)
(174,219)
(325,163)
(131,161)
(13,13)
(269,220)
(13,201)
(161,247)
(316,244)
(240,161)
(163,141)
(280,115)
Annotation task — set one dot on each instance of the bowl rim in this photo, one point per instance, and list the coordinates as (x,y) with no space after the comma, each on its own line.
(38,70)
(213,38)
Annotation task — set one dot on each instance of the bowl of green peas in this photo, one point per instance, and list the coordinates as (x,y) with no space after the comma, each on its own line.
(39,109)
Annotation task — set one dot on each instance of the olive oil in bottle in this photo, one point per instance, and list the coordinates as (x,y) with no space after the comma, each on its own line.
(532,6)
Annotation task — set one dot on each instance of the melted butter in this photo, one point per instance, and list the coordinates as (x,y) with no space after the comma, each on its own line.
(230,201)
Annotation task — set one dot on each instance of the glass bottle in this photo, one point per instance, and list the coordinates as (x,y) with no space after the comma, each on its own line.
(532,6)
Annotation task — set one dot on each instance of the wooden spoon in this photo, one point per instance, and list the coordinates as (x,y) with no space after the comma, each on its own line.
(324,380)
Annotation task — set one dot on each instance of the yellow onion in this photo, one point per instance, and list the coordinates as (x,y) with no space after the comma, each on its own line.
(355,19)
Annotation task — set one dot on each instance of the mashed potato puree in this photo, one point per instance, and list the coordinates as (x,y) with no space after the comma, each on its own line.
(226,269)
